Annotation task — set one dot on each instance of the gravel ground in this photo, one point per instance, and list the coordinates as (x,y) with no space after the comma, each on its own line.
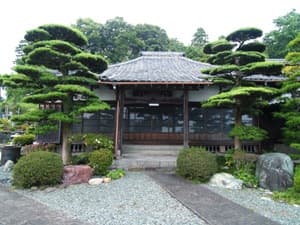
(5,178)
(134,199)
(260,202)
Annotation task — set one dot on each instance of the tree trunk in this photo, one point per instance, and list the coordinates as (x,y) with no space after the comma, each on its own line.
(66,146)
(66,133)
(238,122)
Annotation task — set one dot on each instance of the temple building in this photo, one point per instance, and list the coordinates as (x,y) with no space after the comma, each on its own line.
(156,99)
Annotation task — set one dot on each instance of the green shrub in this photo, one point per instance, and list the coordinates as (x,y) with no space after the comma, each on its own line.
(221,160)
(248,133)
(93,141)
(37,169)
(222,166)
(247,177)
(24,139)
(229,158)
(196,164)
(116,174)
(289,196)
(243,160)
(295,156)
(98,141)
(100,161)
(297,179)
(38,147)
(81,159)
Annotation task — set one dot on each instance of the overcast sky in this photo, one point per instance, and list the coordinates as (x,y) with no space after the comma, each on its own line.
(180,18)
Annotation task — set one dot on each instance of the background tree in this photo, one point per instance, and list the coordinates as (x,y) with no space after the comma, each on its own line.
(240,57)
(176,46)
(57,71)
(154,38)
(290,110)
(195,49)
(196,53)
(276,41)
(120,41)
(91,30)
(200,38)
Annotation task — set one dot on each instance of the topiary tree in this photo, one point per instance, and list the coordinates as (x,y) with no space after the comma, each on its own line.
(240,71)
(58,72)
(290,110)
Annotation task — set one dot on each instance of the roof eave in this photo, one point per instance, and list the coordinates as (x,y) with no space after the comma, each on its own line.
(155,83)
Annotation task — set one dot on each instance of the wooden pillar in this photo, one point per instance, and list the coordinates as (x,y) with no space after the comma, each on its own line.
(118,123)
(121,122)
(185,118)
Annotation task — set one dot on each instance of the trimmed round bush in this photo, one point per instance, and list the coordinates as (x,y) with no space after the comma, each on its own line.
(100,161)
(25,139)
(297,179)
(196,164)
(38,169)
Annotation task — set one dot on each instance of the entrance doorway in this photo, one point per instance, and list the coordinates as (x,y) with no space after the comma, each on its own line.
(159,124)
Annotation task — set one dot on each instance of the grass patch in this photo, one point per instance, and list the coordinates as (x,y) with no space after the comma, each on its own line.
(289,196)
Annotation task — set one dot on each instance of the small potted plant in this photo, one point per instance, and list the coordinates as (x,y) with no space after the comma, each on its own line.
(13,151)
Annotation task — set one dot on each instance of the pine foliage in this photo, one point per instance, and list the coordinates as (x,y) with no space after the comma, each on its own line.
(290,110)
(238,56)
(57,70)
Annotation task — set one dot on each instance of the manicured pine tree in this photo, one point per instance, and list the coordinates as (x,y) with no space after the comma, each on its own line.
(240,61)
(57,70)
(290,110)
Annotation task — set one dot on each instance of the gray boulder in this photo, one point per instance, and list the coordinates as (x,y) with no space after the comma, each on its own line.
(8,166)
(275,171)
(225,180)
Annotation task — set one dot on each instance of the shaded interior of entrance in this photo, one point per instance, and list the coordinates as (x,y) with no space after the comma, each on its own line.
(163,124)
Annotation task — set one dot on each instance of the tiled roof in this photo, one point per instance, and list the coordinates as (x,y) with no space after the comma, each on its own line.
(157,67)
(264,78)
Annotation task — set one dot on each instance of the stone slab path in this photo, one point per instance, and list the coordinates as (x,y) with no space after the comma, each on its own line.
(19,210)
(211,207)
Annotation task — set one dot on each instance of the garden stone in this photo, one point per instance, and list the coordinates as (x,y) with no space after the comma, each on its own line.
(106,179)
(77,174)
(34,188)
(50,189)
(275,171)
(95,181)
(8,166)
(226,180)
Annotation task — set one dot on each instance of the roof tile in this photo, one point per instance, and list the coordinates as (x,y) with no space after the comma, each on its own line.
(157,67)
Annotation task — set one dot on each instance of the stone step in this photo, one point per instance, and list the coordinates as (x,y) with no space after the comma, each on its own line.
(148,157)
(150,153)
(146,163)
(151,148)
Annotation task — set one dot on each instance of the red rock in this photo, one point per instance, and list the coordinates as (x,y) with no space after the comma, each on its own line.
(77,174)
